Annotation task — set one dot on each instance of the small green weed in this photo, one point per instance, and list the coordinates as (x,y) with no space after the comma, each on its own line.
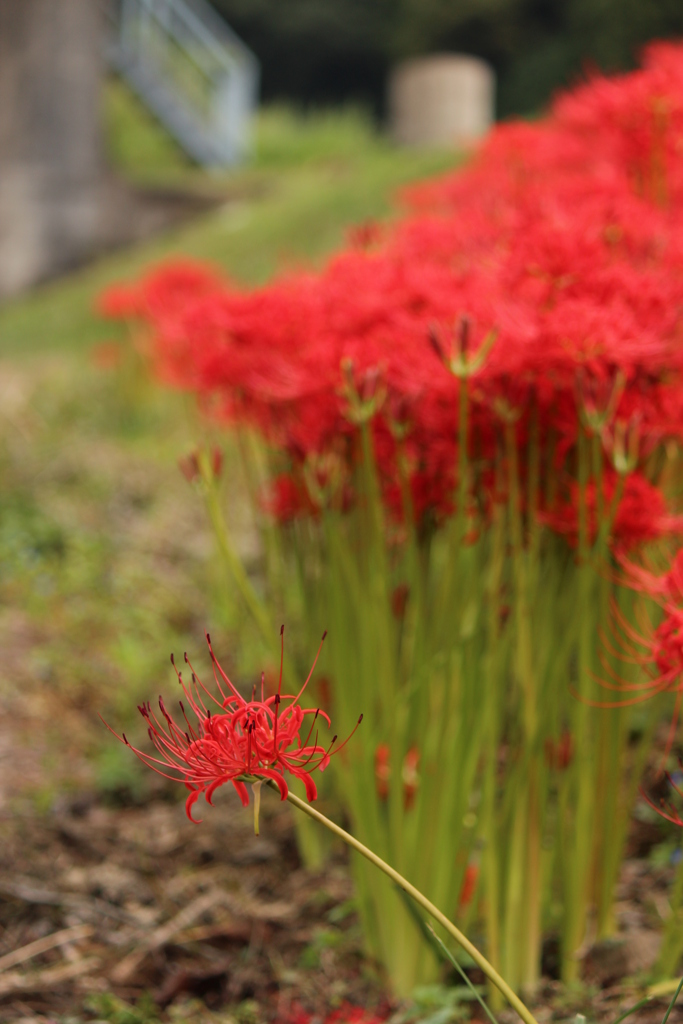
(436,1004)
(110,1008)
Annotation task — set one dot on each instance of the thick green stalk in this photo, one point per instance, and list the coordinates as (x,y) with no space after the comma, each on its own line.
(515,919)
(533,496)
(494,657)
(526,851)
(463,457)
(462,940)
(522,610)
(577,891)
(448,600)
(357,619)
(608,756)
(531,967)
(629,790)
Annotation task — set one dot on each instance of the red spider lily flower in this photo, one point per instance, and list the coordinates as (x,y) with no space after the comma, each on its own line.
(658,650)
(243,741)
(641,515)
(665,587)
(563,240)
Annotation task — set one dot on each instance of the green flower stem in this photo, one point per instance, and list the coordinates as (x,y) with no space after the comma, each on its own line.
(450,592)
(525,953)
(494,672)
(463,458)
(481,961)
(579,853)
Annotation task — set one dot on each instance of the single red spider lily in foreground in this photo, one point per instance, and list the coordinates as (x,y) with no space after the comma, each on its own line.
(243,741)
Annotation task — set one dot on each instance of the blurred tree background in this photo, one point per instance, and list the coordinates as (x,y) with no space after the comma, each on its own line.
(321,51)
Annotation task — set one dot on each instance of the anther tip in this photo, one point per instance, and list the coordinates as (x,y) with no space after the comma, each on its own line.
(185,657)
(123,736)
(324,634)
(334,740)
(172,660)
(208,638)
(360,719)
(282,629)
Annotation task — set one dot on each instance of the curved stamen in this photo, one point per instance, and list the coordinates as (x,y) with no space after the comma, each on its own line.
(315,662)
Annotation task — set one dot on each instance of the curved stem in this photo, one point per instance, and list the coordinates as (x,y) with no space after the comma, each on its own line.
(480,960)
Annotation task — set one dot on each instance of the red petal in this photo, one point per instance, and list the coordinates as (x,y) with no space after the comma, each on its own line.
(212,789)
(311,791)
(281,784)
(189,803)
(242,791)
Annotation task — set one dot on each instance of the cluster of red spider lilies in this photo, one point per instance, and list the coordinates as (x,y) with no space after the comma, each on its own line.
(470,421)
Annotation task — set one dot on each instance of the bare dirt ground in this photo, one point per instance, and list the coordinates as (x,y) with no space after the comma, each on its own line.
(95,900)
(100,904)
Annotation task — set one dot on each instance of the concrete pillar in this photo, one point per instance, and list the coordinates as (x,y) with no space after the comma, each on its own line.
(441,100)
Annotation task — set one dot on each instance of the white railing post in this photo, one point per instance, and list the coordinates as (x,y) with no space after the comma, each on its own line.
(193,72)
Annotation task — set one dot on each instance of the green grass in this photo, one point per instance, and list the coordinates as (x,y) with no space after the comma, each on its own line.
(312,176)
(136,144)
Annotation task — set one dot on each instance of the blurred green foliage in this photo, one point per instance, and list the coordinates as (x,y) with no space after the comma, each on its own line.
(136,143)
(108,1007)
(97,581)
(315,51)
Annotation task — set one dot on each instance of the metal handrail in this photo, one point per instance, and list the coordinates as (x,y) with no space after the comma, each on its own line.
(155,39)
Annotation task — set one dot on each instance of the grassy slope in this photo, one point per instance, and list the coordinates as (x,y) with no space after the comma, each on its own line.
(311,177)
